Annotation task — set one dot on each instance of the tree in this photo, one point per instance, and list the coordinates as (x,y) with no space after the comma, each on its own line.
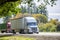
(40,18)
(58,27)
(45,2)
(23,9)
(48,27)
(4,1)
(54,21)
(42,8)
(9,7)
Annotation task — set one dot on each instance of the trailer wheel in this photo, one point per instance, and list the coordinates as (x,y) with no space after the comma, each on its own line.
(13,31)
(21,31)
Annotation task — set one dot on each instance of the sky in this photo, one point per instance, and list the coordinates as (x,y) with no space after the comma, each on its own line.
(55,8)
(53,12)
(1,20)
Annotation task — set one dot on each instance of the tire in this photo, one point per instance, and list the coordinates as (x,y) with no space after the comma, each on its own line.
(21,31)
(30,32)
(8,30)
(2,31)
(37,32)
(13,31)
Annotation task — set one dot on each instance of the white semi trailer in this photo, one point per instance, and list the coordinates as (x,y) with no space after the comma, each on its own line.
(25,25)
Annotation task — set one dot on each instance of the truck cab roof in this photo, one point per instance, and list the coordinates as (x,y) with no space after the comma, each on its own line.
(30,19)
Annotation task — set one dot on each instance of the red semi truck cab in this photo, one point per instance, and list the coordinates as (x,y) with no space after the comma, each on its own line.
(8,26)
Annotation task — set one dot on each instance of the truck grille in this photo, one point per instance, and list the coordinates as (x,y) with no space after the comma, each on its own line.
(34,29)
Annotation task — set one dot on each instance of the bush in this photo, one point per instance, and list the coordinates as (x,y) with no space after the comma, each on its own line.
(40,18)
(48,27)
(58,26)
(54,21)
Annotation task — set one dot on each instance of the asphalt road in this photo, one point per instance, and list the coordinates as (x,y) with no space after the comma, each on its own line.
(34,34)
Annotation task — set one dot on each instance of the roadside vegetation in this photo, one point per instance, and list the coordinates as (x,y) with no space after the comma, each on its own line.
(48,27)
(10,7)
(15,38)
(44,25)
(51,26)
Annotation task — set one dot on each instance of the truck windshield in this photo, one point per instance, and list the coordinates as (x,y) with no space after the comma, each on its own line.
(31,23)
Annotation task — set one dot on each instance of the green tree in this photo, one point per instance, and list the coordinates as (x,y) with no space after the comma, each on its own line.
(45,2)
(42,8)
(40,18)
(54,21)
(7,8)
(58,27)
(48,27)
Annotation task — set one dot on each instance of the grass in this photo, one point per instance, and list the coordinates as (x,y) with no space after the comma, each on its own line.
(15,38)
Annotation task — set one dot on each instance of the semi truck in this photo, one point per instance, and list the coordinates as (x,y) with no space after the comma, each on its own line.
(24,25)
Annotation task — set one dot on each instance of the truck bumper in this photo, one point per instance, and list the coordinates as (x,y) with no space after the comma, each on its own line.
(33,31)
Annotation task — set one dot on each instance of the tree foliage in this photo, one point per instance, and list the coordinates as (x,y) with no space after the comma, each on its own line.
(42,7)
(40,18)
(54,21)
(48,27)
(58,27)
(46,2)
(4,1)
(9,8)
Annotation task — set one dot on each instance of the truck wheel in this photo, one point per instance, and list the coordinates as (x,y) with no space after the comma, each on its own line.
(30,32)
(2,31)
(8,31)
(21,32)
(13,31)
(37,32)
